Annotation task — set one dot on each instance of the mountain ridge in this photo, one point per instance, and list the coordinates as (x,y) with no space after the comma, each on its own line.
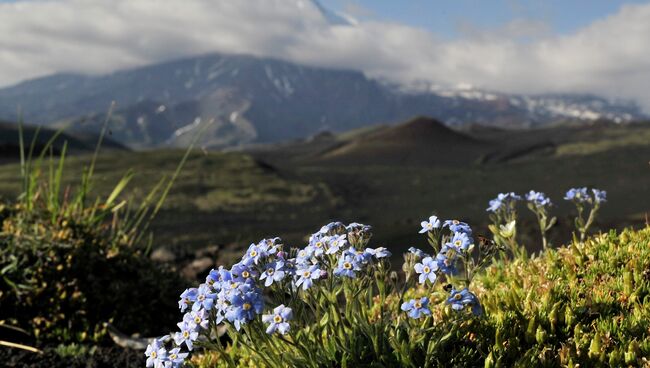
(240,99)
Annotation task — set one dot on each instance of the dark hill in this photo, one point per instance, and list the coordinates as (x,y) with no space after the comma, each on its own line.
(422,140)
(77,142)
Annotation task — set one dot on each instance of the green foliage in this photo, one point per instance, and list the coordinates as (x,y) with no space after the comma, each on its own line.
(587,303)
(69,262)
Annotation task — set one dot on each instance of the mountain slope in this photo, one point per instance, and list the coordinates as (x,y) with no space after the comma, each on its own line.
(246,99)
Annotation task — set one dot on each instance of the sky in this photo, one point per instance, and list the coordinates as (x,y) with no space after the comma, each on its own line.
(517,46)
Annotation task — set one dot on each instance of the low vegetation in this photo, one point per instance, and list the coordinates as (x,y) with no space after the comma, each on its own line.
(336,301)
(72,261)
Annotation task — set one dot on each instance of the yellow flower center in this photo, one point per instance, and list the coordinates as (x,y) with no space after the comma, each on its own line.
(245,274)
(197,320)
(426,269)
(458,297)
(172,356)
(186,334)
(201,297)
(455,222)
(253,253)
(417,305)
(458,243)
(154,354)
(306,274)
(347,265)
(277,318)
(270,271)
(318,244)
(246,306)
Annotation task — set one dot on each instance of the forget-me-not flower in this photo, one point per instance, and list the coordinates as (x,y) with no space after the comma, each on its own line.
(273,272)
(155,353)
(417,307)
(307,275)
(433,223)
(187,335)
(427,270)
(278,320)
(458,227)
(460,299)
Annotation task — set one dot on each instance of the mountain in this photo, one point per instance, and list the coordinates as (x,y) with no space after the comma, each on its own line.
(232,100)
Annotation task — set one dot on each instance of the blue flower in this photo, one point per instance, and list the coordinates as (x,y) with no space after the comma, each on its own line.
(445,262)
(539,199)
(305,255)
(244,306)
(187,335)
(418,253)
(317,245)
(215,277)
(460,299)
(417,307)
(335,243)
(347,266)
(458,227)
(459,242)
(253,255)
(332,228)
(378,253)
(600,195)
(199,319)
(221,306)
(188,297)
(273,272)
(278,320)
(361,257)
(427,270)
(204,298)
(242,272)
(175,358)
(433,223)
(268,246)
(502,200)
(359,229)
(579,195)
(155,353)
(307,275)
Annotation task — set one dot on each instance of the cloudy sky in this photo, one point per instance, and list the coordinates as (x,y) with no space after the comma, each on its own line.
(596,46)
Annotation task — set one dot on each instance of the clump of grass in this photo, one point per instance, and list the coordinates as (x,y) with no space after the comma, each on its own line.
(71,261)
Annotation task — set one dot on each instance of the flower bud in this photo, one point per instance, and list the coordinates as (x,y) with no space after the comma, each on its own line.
(489,361)
(595,346)
(540,335)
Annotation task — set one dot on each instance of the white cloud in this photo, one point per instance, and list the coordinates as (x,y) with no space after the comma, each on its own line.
(609,57)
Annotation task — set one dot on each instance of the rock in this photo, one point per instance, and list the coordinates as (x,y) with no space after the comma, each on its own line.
(211,251)
(163,255)
(198,268)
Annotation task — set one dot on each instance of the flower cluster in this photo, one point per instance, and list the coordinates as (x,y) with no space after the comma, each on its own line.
(581,198)
(235,296)
(582,195)
(453,255)
(504,216)
(503,201)
(538,199)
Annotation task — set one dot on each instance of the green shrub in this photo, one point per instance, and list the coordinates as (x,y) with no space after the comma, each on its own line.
(586,303)
(71,261)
